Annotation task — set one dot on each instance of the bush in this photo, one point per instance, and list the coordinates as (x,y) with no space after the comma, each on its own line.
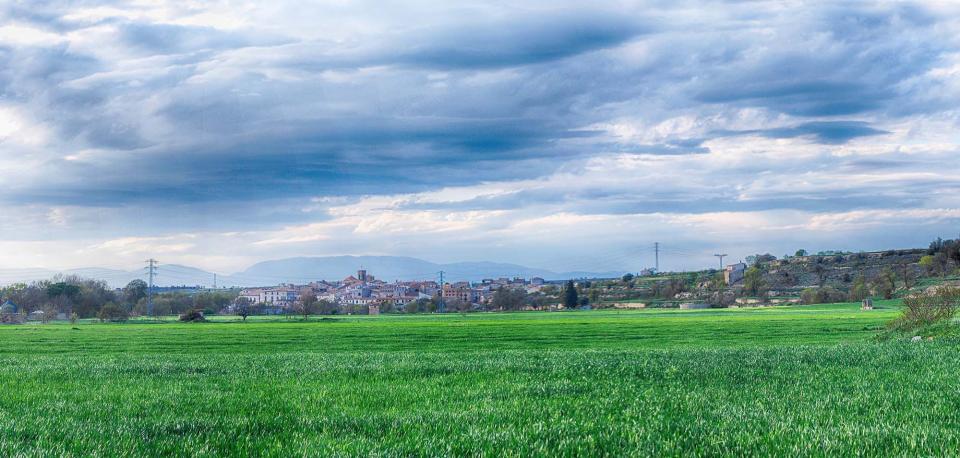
(193,316)
(113,312)
(824,295)
(927,309)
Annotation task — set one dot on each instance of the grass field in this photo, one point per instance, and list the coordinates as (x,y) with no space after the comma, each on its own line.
(785,381)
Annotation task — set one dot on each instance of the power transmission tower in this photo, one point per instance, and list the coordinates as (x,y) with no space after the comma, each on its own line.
(441,306)
(151,271)
(721,256)
(656,254)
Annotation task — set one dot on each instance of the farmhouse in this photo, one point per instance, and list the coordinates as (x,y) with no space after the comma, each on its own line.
(734,273)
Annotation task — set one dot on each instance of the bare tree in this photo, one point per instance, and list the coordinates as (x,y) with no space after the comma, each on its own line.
(907,275)
(306,306)
(242,307)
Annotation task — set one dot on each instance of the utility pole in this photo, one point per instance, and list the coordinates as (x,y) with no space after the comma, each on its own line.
(721,256)
(151,271)
(656,254)
(441,306)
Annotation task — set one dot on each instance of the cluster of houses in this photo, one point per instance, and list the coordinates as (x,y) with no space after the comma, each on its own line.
(364,289)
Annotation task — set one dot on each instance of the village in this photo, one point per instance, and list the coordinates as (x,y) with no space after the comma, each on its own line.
(756,281)
(366,294)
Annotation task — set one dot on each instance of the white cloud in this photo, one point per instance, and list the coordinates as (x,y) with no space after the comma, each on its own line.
(223,132)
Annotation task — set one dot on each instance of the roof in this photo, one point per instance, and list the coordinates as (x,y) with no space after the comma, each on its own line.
(9,306)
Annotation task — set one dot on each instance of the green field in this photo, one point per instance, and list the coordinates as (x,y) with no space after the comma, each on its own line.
(785,381)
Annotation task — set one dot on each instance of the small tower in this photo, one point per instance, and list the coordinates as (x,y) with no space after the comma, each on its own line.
(866,304)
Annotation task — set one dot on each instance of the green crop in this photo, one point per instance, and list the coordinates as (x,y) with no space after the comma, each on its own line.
(782,381)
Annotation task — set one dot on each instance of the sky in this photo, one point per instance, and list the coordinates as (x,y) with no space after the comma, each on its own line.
(555,134)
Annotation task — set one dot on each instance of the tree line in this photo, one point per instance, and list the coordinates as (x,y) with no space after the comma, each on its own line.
(74,297)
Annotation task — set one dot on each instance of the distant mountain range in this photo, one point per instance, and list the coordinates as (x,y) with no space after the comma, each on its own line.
(307,269)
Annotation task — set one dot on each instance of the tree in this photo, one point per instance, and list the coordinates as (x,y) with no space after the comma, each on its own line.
(801,252)
(15,293)
(71,291)
(456,305)
(594,295)
(412,306)
(885,283)
(113,312)
(942,263)
(325,307)
(93,295)
(507,298)
(952,249)
(242,307)
(212,302)
(717,283)
(907,276)
(134,291)
(171,303)
(49,313)
(63,295)
(570,299)
(754,283)
(825,295)
(935,246)
(306,306)
(758,259)
(859,290)
(926,262)
(627,278)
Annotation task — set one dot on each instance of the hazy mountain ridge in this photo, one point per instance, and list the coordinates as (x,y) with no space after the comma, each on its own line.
(390,268)
(304,270)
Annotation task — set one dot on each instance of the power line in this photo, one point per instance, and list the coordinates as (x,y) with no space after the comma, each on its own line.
(656,254)
(151,271)
(441,306)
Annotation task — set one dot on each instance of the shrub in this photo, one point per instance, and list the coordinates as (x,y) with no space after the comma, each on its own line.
(113,312)
(193,316)
(923,310)
(824,295)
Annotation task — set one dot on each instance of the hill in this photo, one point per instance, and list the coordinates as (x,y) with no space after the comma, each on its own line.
(389,268)
(304,270)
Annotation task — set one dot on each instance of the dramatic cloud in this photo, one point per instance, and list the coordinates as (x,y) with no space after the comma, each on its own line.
(473,130)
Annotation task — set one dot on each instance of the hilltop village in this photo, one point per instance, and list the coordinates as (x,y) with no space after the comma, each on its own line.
(364,293)
(759,280)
